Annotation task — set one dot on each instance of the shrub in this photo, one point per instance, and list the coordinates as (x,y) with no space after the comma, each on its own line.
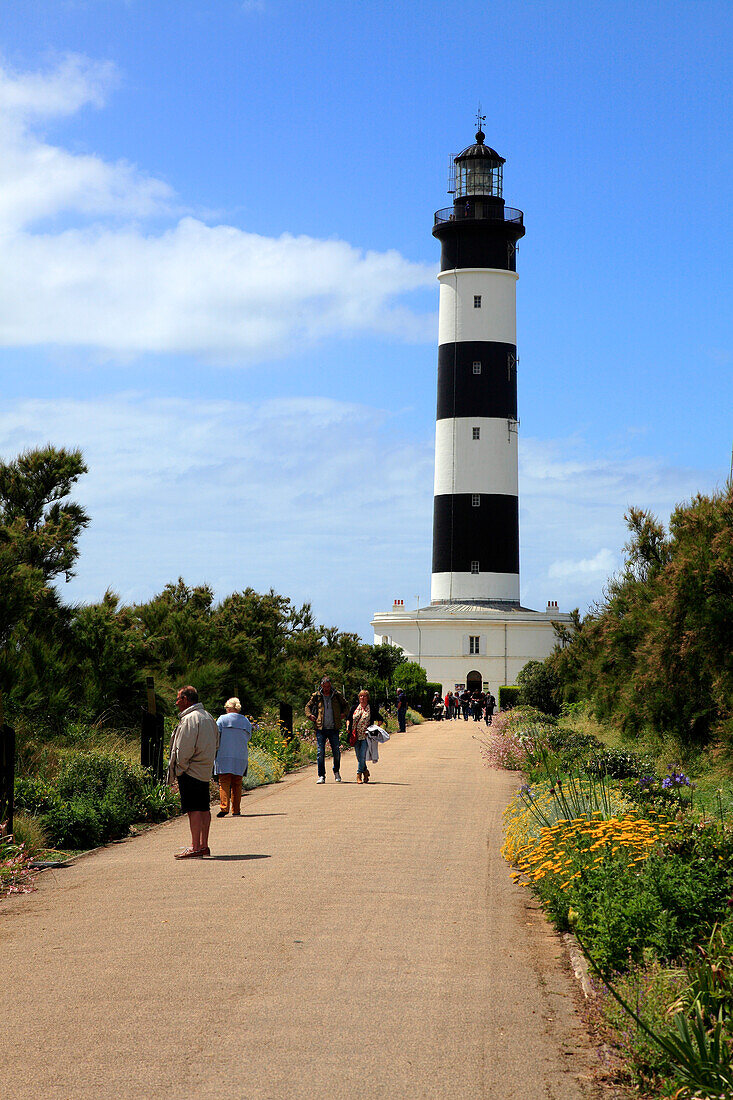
(540,686)
(73,824)
(34,796)
(269,734)
(96,775)
(636,884)
(262,768)
(509,696)
(29,832)
(620,764)
(159,803)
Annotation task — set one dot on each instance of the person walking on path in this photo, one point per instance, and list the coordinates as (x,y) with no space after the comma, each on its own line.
(326,709)
(361,716)
(465,703)
(192,753)
(232,758)
(489,708)
(401,710)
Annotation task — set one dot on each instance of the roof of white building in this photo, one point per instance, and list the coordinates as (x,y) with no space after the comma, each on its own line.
(473,611)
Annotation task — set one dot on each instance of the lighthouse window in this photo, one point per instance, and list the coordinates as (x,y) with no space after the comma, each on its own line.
(476,500)
(474,567)
(477,301)
(476,366)
(473,643)
(476,433)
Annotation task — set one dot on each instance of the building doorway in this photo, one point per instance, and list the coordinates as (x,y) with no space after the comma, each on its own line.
(474,681)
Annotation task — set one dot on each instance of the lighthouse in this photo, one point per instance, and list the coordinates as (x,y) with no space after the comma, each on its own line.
(475,633)
(476,491)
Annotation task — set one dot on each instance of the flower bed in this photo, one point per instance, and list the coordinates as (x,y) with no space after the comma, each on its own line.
(618,854)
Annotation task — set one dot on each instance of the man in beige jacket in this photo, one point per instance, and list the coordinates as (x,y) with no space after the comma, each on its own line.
(194,745)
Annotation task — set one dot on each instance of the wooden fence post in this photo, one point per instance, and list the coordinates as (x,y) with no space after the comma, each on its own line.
(286,719)
(7,773)
(151,734)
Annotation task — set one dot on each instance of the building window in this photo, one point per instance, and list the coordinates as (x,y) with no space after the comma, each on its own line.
(473,640)
(476,433)
(477,301)
(475,500)
(474,567)
(477,366)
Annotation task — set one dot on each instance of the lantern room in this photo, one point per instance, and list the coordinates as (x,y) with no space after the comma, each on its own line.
(477,171)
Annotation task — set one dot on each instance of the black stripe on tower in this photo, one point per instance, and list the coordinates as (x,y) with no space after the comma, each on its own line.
(492,391)
(476,244)
(463,533)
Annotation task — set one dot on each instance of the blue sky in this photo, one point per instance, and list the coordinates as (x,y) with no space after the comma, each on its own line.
(218,277)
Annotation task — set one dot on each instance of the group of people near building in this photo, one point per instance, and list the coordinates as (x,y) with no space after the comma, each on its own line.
(201,746)
(477,704)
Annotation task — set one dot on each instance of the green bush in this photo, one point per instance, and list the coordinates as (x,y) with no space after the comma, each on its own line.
(34,796)
(96,775)
(620,764)
(73,824)
(540,686)
(97,797)
(667,906)
(509,696)
(262,768)
(29,832)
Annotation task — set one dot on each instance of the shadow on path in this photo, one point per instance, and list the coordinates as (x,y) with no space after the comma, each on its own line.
(233,859)
(262,815)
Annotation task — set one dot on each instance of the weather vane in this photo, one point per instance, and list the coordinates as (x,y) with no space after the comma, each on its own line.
(479,118)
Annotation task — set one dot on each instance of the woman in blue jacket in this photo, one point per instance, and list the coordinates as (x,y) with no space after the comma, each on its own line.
(232,756)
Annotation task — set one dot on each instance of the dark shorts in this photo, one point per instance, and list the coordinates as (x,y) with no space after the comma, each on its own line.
(195,794)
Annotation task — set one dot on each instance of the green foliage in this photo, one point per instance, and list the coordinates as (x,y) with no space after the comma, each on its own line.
(411,677)
(540,686)
(95,797)
(649,989)
(73,824)
(657,654)
(29,832)
(262,768)
(39,530)
(509,696)
(620,764)
(668,902)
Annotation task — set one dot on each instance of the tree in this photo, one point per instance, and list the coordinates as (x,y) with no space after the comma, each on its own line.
(540,686)
(39,531)
(657,653)
(411,677)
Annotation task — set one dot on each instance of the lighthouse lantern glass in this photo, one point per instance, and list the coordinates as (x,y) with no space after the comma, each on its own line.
(479,176)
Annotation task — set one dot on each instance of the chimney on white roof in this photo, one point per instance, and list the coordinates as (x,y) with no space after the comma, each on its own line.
(551,605)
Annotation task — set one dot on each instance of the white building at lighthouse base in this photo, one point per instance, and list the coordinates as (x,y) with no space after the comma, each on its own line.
(467,644)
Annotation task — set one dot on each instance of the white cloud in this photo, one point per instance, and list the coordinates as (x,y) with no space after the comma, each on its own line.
(74,83)
(324,501)
(108,284)
(319,499)
(601,565)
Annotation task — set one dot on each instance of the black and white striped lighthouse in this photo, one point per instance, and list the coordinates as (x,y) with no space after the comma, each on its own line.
(476,502)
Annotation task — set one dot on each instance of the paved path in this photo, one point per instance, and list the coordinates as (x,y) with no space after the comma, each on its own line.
(343,942)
